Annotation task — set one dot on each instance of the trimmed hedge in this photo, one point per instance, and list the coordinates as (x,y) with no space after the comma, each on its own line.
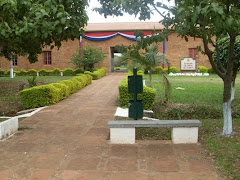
(173,69)
(68,72)
(31,72)
(44,72)
(157,70)
(40,96)
(49,94)
(202,69)
(78,71)
(55,72)
(2,72)
(98,73)
(148,95)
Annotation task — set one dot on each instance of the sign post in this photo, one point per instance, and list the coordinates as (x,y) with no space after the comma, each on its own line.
(188,64)
(135,86)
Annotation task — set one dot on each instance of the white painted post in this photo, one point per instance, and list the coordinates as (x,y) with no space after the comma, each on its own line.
(144,82)
(37,74)
(11,67)
(61,73)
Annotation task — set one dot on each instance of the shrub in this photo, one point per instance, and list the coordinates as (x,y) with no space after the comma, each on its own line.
(117,68)
(68,72)
(97,74)
(64,93)
(76,85)
(49,94)
(157,70)
(7,73)
(187,111)
(202,69)
(55,72)
(95,69)
(165,70)
(148,95)
(2,72)
(211,71)
(173,69)
(94,75)
(44,72)
(78,71)
(39,96)
(89,56)
(69,85)
(32,81)
(32,72)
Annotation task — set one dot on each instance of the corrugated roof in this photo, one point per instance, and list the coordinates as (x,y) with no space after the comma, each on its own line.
(123,26)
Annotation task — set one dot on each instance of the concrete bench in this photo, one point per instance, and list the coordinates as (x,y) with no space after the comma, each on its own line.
(183,131)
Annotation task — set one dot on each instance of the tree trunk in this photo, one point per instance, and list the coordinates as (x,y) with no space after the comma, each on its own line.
(233,85)
(227,112)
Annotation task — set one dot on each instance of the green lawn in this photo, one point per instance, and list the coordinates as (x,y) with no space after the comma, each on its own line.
(203,90)
(201,99)
(9,89)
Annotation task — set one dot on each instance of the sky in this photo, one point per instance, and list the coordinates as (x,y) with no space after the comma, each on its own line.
(94,17)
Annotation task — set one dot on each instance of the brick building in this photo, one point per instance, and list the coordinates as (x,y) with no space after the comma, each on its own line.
(175,48)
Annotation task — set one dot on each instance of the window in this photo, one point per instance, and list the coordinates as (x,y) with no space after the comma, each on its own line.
(193,52)
(15,61)
(47,57)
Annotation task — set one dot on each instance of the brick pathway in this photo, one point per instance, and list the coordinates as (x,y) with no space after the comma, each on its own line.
(68,141)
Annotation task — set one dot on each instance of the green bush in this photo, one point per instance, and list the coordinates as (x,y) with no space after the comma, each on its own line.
(49,94)
(95,69)
(32,72)
(173,69)
(78,71)
(40,96)
(148,95)
(157,70)
(44,72)
(55,72)
(94,75)
(7,73)
(211,71)
(68,72)
(64,93)
(2,72)
(97,74)
(117,68)
(69,85)
(202,69)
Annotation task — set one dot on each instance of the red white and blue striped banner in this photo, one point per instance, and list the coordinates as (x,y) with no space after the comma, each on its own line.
(102,36)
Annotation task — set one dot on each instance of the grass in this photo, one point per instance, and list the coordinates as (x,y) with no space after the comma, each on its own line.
(202,99)
(199,90)
(9,89)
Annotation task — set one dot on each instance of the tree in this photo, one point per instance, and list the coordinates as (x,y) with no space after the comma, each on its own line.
(223,57)
(90,56)
(208,20)
(27,26)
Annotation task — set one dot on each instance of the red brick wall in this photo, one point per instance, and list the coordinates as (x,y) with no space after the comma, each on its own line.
(176,49)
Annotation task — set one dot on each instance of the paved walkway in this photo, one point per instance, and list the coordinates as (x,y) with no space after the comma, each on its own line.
(68,141)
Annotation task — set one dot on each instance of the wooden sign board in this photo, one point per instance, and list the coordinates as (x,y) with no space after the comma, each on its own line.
(188,64)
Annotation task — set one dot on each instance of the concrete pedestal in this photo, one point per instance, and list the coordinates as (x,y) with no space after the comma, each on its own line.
(184,135)
(122,135)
